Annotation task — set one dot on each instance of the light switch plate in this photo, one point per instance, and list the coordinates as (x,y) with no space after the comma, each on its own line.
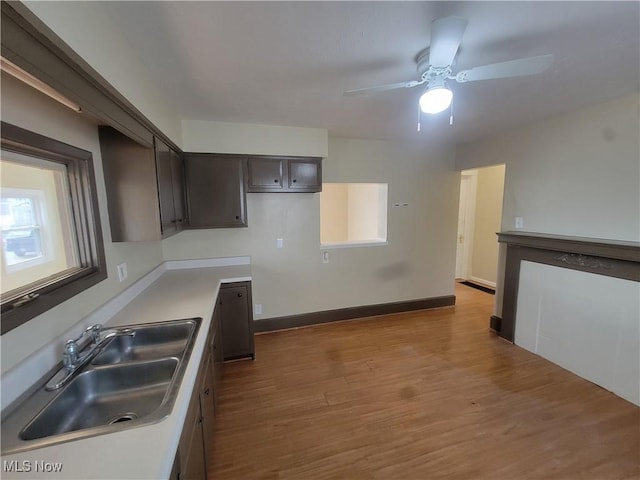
(279,242)
(325,257)
(257,309)
(519,222)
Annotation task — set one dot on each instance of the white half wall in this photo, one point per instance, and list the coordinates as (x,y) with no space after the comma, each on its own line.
(575,174)
(586,323)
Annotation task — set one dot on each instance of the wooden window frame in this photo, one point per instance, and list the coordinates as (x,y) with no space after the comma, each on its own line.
(33,299)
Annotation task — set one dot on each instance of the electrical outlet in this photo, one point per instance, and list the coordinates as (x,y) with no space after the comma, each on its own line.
(122,271)
(325,257)
(279,242)
(519,222)
(257,309)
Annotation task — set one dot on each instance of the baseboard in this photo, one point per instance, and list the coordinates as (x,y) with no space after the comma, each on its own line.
(477,286)
(328,316)
(483,282)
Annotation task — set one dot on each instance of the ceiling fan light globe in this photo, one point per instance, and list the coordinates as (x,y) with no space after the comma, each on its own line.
(436,100)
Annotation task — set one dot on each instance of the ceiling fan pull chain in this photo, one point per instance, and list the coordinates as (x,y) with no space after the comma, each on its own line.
(419,116)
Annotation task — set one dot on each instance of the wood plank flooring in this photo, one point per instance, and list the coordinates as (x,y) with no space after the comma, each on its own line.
(420,395)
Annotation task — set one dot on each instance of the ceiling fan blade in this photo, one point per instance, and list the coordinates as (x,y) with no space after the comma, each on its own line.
(513,68)
(446,35)
(383,88)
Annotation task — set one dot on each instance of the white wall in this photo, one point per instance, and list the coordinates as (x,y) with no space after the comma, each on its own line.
(246,138)
(27,108)
(586,323)
(89,31)
(418,261)
(575,174)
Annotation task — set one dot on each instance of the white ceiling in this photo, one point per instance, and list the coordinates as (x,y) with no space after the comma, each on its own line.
(288,63)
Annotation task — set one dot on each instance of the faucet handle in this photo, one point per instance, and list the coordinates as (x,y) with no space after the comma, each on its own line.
(94,330)
(70,354)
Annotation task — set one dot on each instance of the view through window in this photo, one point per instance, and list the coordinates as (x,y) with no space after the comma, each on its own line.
(51,245)
(38,239)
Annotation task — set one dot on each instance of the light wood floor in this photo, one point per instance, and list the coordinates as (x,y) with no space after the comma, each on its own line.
(422,395)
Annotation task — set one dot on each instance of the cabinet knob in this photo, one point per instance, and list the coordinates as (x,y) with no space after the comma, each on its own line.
(206,392)
(276,180)
(294,180)
(237,217)
(239,295)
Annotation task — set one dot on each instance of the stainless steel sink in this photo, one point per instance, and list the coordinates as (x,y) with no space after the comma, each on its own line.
(160,341)
(104,396)
(132,382)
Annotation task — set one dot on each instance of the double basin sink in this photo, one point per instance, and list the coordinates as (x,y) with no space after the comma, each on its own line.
(132,381)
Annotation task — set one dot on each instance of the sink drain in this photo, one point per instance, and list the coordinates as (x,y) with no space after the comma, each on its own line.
(122,417)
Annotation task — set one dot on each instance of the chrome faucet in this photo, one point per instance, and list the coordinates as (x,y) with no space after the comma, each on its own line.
(73,362)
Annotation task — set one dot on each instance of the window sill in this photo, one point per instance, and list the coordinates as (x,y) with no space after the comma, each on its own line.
(358,243)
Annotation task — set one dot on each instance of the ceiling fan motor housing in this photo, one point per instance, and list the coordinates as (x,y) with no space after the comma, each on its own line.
(433,76)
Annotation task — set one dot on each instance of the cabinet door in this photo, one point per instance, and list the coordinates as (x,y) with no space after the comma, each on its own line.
(265,174)
(237,322)
(215,187)
(165,188)
(191,447)
(195,467)
(208,412)
(305,175)
(177,184)
(132,187)
(217,354)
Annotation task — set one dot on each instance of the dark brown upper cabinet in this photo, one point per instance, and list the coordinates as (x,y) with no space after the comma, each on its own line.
(284,174)
(145,188)
(216,190)
(170,178)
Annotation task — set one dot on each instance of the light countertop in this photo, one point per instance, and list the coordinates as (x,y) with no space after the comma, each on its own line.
(145,452)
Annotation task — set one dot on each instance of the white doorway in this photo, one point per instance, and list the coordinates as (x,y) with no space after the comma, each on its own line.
(479,219)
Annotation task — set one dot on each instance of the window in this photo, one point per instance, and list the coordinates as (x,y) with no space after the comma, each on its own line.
(51,241)
(353,214)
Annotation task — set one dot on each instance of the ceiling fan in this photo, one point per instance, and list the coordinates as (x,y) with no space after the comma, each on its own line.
(436,62)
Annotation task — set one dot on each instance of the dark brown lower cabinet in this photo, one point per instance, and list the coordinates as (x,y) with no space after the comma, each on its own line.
(236,319)
(207,409)
(195,449)
(217,354)
(190,459)
(232,318)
